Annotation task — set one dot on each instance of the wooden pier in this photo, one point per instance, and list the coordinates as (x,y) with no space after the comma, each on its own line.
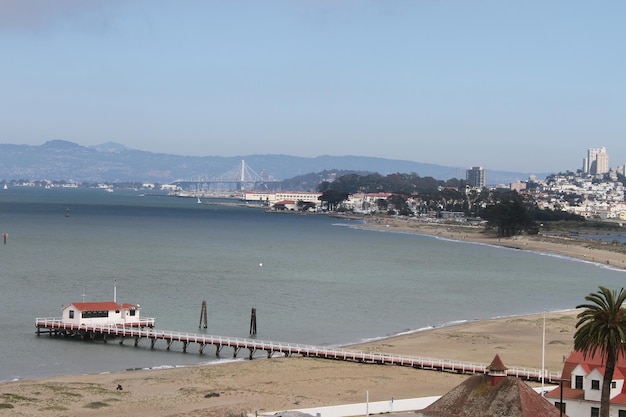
(55,327)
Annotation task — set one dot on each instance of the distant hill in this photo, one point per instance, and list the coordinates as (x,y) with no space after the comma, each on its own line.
(112,162)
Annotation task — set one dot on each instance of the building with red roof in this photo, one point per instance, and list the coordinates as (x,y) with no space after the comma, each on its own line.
(582,386)
(102,313)
(491,395)
(285,205)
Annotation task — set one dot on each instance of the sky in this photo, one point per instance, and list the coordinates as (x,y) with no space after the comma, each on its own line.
(524,86)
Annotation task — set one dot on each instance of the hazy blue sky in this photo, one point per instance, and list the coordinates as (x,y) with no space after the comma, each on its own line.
(510,85)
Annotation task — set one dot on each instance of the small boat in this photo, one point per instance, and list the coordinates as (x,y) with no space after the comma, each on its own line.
(199,201)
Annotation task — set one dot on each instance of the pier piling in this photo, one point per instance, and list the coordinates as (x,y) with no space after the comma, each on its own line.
(203,318)
(253,322)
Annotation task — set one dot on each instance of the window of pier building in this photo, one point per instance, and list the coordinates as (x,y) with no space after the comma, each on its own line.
(94,314)
(595,384)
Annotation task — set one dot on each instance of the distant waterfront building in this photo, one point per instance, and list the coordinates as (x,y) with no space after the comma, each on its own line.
(475,177)
(596,162)
(272,197)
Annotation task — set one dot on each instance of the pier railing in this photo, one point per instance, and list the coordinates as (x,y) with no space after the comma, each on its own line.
(55,325)
(53,321)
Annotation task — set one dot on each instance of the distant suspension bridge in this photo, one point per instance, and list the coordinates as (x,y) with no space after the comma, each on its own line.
(240,178)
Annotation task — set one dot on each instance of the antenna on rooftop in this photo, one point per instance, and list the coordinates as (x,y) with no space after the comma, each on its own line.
(83,293)
(115,290)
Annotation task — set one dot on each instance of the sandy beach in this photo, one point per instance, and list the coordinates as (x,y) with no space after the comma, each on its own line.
(586,250)
(265,385)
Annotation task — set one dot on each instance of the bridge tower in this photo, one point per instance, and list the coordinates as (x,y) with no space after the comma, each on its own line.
(247,176)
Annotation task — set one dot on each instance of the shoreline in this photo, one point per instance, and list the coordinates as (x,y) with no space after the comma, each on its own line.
(584,250)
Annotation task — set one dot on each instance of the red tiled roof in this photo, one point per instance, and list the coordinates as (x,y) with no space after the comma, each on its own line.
(568,393)
(589,363)
(97,306)
(475,397)
(593,360)
(619,399)
(496,364)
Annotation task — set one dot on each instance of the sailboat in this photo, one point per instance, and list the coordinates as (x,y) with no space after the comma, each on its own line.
(199,201)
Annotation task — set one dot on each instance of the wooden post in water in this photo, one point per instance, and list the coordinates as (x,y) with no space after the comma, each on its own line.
(253,322)
(203,318)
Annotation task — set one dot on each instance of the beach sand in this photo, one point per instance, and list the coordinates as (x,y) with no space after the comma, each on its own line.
(266,385)
(583,249)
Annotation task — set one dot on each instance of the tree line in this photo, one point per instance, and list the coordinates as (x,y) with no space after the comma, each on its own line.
(506,211)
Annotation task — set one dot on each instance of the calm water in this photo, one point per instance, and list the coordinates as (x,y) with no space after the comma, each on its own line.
(312,279)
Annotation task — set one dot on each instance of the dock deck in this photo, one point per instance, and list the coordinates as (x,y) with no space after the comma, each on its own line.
(55,327)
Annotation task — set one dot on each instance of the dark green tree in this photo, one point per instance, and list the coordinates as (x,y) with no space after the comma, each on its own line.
(382,204)
(507,214)
(333,198)
(601,327)
(305,205)
(399,203)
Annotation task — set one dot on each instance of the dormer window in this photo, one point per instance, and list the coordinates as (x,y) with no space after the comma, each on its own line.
(595,384)
(579,382)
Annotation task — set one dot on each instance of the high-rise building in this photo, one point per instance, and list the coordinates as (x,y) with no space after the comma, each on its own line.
(475,177)
(596,162)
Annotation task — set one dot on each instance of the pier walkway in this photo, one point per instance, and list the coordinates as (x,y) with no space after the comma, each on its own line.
(55,327)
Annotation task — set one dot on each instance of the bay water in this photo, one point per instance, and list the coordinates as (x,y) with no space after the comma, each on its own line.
(313,279)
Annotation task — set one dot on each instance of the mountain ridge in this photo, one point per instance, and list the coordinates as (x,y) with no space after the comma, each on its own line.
(113,162)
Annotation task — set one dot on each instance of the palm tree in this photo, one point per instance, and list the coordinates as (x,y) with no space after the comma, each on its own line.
(602,327)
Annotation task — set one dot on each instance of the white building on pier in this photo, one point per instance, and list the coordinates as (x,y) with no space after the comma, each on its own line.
(102,313)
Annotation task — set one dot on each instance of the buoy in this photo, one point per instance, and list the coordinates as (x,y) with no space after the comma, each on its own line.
(260,263)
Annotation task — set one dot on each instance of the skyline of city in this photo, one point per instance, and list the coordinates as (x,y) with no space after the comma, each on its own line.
(515,86)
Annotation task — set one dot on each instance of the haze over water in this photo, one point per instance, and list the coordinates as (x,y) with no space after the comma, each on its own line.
(313,279)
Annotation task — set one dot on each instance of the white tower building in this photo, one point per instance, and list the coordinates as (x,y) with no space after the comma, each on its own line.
(596,162)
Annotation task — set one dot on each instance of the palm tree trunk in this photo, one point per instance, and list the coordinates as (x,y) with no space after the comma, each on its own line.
(605,397)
